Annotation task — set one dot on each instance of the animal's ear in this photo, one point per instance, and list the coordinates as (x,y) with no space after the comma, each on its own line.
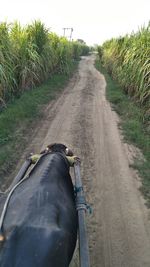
(68,152)
(50,147)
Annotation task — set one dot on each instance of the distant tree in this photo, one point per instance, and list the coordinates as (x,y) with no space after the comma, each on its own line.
(81,41)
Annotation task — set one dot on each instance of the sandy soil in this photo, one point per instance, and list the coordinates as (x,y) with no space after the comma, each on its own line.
(119,228)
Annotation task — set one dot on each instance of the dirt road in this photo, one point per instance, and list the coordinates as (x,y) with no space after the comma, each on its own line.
(119,228)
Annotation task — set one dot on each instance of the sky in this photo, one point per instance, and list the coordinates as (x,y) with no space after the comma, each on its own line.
(93,21)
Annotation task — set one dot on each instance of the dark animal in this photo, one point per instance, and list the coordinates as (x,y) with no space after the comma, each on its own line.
(40,226)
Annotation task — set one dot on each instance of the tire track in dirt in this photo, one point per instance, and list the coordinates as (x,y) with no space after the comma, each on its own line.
(119,215)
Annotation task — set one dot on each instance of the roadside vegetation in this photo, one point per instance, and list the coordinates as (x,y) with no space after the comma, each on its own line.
(125,62)
(30,55)
(35,64)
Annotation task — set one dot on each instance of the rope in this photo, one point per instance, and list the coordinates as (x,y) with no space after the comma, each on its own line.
(81,203)
(78,189)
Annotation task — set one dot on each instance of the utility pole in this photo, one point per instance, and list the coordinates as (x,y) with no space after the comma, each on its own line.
(70,30)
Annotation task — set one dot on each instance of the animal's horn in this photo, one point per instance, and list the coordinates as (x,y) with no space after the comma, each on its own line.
(69,152)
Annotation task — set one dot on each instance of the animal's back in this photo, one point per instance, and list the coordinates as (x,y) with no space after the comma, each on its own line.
(37,247)
(41,219)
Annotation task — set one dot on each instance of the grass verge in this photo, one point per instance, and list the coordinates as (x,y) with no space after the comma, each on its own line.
(134,129)
(17,120)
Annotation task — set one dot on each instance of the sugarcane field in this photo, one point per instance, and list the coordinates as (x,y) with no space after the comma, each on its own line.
(75,134)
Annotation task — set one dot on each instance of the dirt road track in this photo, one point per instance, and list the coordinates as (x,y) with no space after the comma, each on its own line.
(119,228)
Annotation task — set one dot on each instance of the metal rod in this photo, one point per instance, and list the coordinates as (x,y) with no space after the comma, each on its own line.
(81,208)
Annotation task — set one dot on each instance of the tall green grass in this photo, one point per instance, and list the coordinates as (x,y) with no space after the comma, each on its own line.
(127,59)
(29,55)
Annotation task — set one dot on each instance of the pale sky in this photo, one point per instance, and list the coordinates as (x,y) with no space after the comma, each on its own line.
(93,21)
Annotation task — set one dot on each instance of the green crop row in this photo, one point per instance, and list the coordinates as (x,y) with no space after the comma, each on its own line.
(127,59)
(31,54)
